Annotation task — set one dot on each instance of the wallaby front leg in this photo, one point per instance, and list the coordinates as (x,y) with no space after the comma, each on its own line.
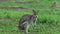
(34,23)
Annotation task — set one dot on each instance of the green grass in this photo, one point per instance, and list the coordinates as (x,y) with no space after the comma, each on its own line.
(48,20)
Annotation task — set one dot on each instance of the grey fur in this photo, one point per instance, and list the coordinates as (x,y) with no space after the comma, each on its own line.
(25,21)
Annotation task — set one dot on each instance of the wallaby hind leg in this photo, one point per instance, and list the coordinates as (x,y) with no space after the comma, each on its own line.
(20,28)
(26,28)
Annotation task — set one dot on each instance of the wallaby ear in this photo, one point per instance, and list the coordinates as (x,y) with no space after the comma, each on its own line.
(33,10)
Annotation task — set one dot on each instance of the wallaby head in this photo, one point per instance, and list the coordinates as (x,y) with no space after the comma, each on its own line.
(35,13)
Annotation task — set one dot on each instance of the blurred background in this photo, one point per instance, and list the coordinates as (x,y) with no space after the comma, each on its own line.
(48,17)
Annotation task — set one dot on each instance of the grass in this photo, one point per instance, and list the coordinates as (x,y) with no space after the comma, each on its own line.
(48,17)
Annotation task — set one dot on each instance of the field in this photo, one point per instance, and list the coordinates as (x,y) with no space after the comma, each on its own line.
(12,10)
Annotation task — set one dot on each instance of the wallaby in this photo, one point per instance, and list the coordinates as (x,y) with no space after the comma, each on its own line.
(54,4)
(25,21)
